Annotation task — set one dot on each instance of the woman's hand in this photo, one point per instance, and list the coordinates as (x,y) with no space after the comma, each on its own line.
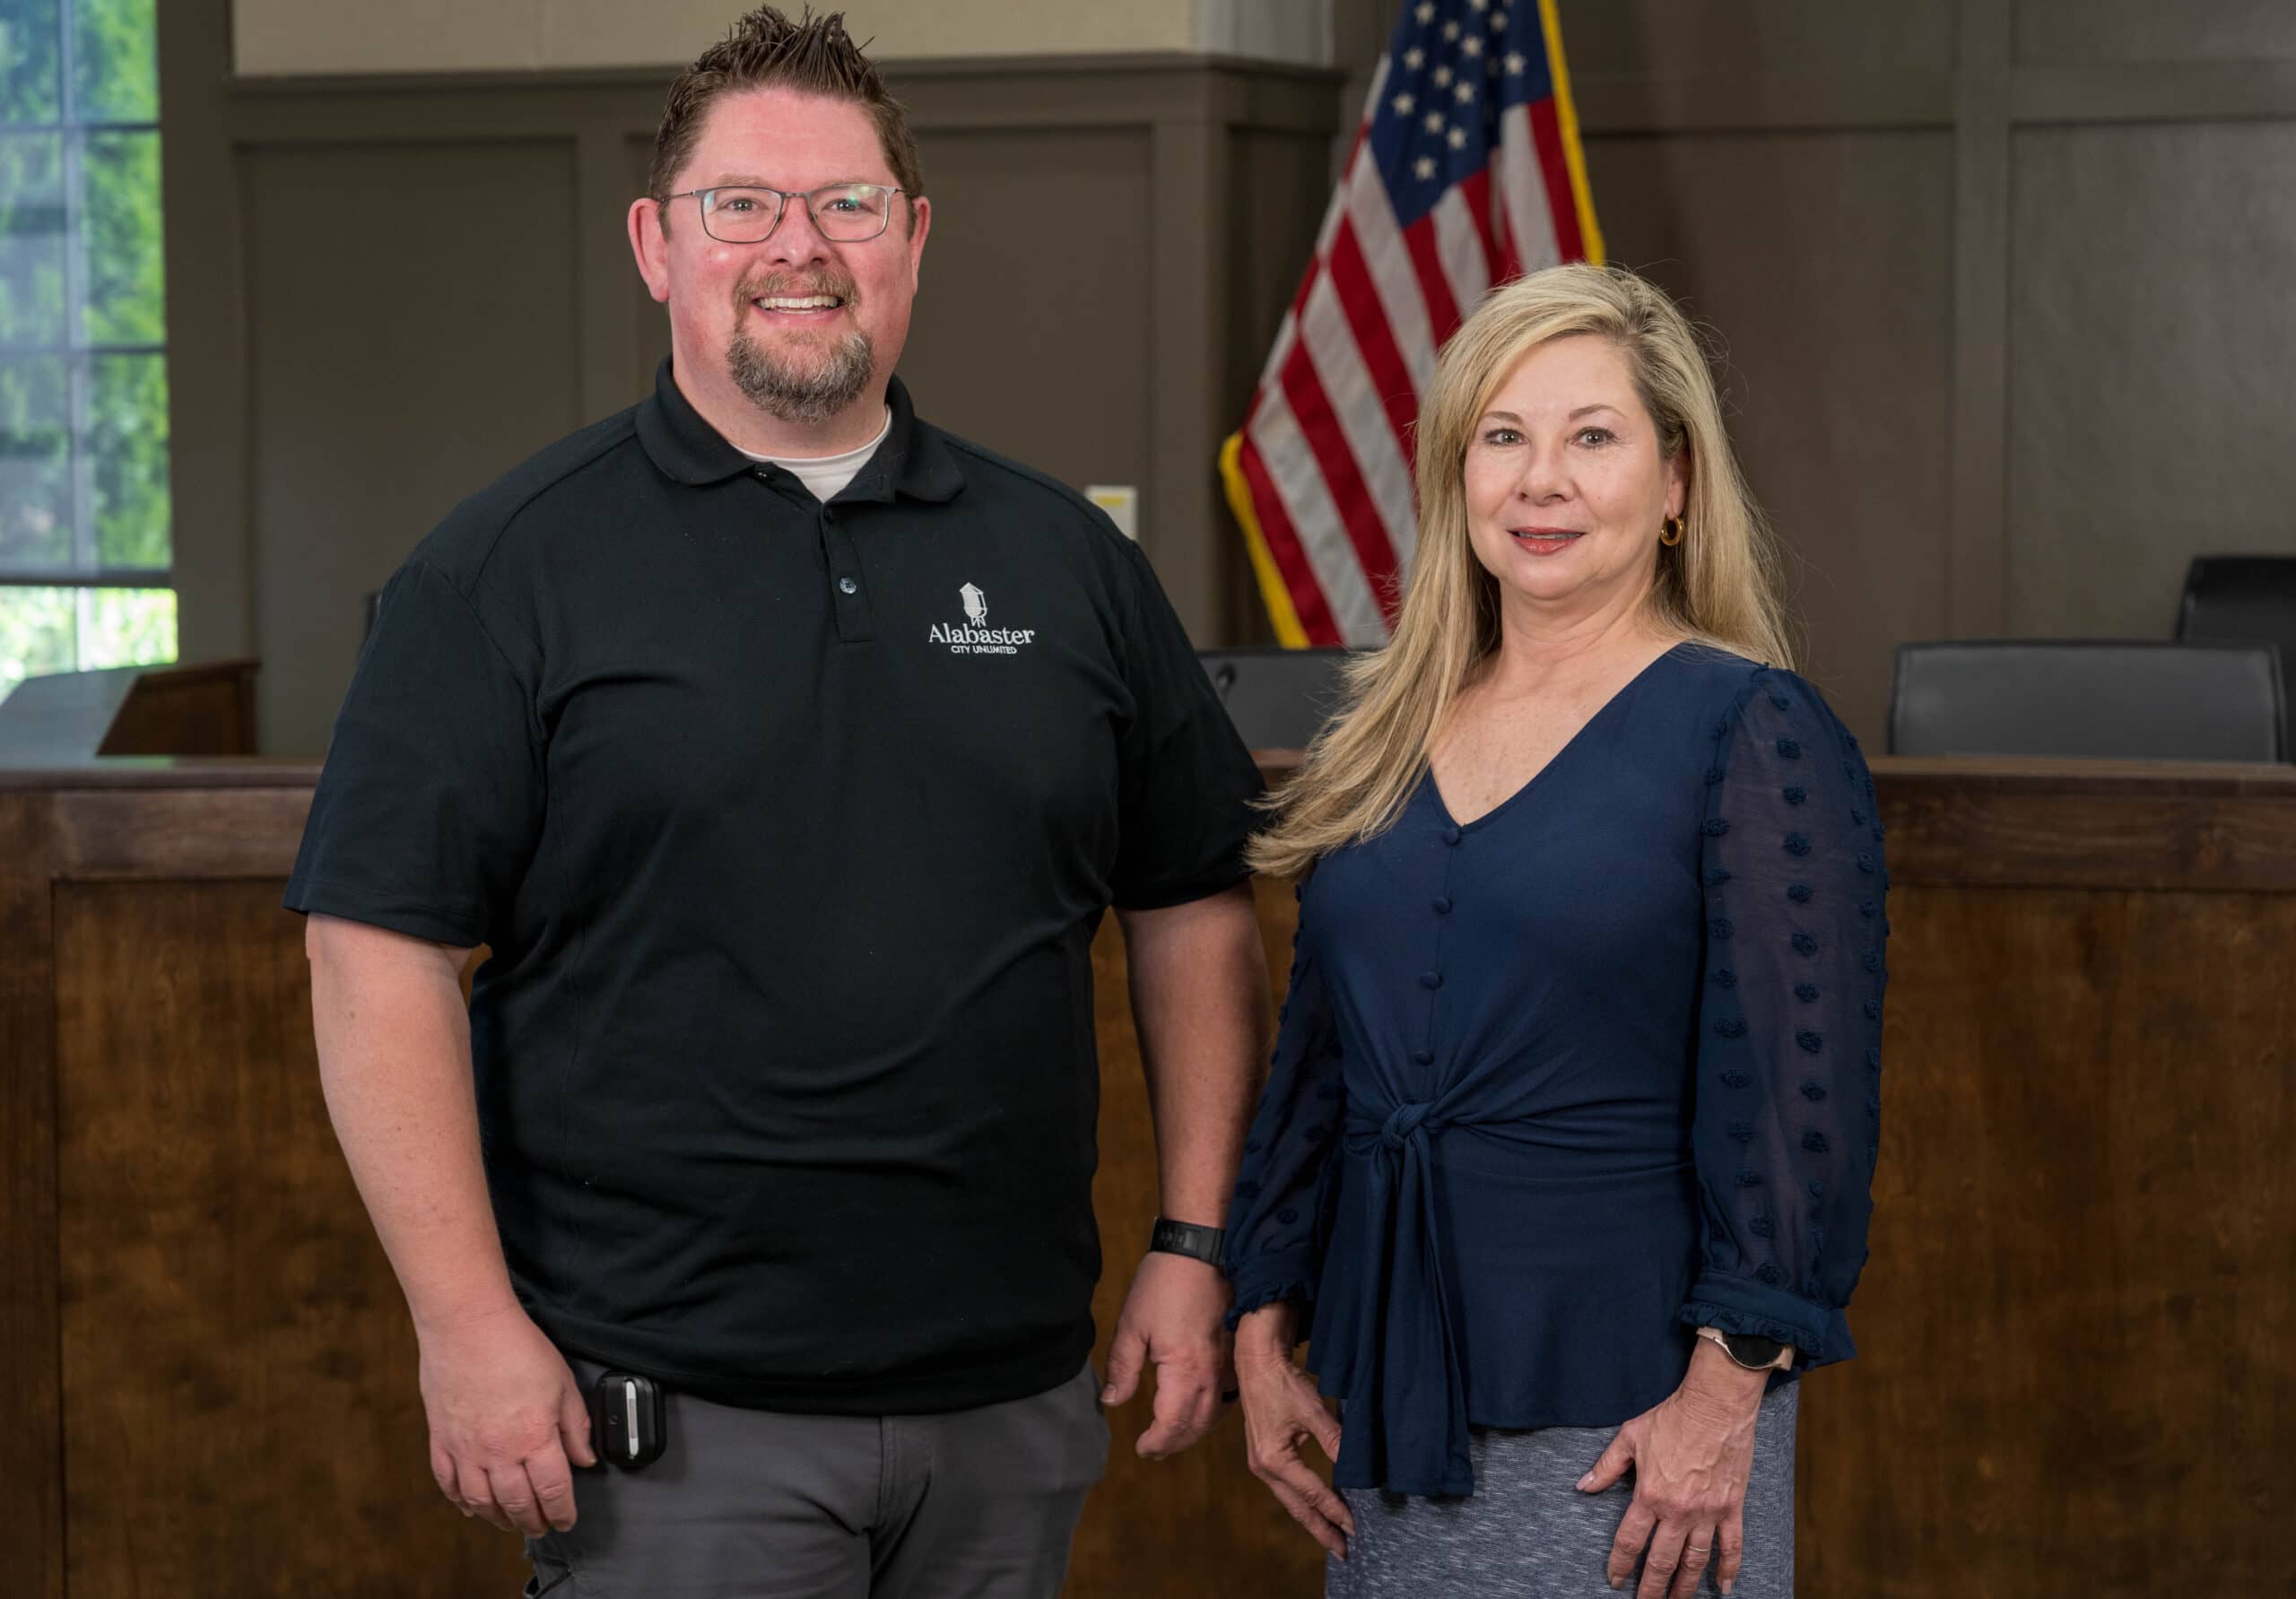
(1282,1411)
(1692,1456)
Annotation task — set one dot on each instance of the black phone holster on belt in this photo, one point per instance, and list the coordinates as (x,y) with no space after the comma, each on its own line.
(628,1424)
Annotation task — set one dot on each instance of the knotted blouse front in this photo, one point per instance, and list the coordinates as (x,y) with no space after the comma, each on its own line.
(1556,1086)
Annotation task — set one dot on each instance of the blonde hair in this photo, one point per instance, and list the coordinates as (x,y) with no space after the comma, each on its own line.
(1718,585)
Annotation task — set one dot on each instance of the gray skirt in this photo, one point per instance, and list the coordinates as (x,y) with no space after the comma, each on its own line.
(1527,1533)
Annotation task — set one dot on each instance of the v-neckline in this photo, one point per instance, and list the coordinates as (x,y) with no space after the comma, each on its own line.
(1443,806)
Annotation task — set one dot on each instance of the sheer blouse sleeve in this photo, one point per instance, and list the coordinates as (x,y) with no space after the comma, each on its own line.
(1274,1236)
(1787,1116)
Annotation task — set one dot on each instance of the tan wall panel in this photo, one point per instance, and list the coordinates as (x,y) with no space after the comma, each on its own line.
(1775,36)
(383,283)
(2150,349)
(355,36)
(1032,337)
(2069,32)
(1825,263)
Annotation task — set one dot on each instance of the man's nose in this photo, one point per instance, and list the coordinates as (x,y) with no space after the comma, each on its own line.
(795,241)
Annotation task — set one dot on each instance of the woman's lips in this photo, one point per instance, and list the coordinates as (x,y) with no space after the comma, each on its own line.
(1545,540)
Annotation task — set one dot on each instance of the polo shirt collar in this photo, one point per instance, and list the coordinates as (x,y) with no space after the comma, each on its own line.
(914,460)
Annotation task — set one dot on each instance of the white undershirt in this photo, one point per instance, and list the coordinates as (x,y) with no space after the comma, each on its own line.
(826,475)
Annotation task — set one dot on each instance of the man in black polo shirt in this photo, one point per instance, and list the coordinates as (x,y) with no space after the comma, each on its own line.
(786,751)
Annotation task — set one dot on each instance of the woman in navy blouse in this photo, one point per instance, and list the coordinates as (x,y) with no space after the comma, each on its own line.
(1563,1167)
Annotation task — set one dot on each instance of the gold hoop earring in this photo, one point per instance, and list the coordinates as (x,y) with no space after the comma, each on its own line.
(1671,530)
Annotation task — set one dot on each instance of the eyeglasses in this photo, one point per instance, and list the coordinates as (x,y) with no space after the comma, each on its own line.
(844,213)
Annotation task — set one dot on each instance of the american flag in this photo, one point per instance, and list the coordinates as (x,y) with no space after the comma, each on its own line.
(1465,172)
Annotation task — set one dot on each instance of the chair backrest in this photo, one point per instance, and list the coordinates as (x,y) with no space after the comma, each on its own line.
(2246,599)
(1277,696)
(2129,700)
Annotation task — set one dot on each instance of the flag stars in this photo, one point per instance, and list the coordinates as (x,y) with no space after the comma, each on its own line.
(1434,122)
(1402,103)
(1425,167)
(1450,30)
(1458,138)
(1470,47)
(1425,13)
(1464,93)
(1442,75)
(1478,4)
(1414,58)
(1516,62)
(1497,22)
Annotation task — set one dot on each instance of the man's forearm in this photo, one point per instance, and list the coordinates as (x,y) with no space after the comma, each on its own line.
(1199,1000)
(394,1042)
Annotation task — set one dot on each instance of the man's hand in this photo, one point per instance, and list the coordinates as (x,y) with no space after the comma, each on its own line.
(506,1417)
(1172,1317)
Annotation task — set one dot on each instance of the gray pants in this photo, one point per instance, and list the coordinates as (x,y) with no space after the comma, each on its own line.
(1527,1533)
(978,1504)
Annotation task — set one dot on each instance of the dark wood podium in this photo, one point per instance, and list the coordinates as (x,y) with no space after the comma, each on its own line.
(206,708)
(2076,1328)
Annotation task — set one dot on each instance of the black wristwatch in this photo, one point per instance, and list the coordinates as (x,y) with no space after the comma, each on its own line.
(1185,1238)
(1750,1349)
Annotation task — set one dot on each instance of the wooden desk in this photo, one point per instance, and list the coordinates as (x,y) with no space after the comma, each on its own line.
(2076,1326)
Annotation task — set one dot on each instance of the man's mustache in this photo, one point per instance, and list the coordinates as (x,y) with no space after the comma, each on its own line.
(781,285)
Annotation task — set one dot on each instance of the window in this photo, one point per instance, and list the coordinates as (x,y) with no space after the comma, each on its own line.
(85,545)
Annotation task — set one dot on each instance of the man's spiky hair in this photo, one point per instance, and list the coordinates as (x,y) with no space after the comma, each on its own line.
(766,50)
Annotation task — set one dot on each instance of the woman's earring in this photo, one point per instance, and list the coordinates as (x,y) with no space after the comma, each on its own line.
(1671,530)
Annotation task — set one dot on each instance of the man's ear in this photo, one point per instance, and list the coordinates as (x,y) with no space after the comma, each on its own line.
(650,244)
(920,222)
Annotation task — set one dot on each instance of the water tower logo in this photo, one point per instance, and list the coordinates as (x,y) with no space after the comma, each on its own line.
(974,635)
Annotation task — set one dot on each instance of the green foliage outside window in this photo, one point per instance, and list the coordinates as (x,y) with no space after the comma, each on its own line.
(84,377)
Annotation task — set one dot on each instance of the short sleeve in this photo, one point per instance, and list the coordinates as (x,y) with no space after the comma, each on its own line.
(431,802)
(1788,1122)
(1275,1231)
(1186,782)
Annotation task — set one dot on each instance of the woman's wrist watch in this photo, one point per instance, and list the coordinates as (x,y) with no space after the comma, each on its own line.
(1751,1350)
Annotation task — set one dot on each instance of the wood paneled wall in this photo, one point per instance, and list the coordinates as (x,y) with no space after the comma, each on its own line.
(2000,286)
(384,292)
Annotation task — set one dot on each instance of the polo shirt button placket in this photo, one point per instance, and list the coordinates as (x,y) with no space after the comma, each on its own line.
(847,598)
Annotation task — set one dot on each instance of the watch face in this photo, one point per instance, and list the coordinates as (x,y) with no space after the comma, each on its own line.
(1751,1349)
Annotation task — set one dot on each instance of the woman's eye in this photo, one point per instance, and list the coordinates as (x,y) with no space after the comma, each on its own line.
(1502,436)
(1596,436)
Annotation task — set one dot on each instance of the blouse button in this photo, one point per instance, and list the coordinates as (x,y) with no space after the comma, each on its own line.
(1431,979)
(1425,1057)
(1450,835)
(1442,905)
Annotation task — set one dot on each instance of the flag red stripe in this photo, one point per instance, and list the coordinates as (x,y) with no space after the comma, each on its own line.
(1311,409)
(1547,138)
(1434,288)
(1475,190)
(1284,547)
(1375,336)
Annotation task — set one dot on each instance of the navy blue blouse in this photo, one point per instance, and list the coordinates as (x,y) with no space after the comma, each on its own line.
(1555,1088)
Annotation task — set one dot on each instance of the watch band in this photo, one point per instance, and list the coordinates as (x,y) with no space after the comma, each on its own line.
(1751,1351)
(1185,1238)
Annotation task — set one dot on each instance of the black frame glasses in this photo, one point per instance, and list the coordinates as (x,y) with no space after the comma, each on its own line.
(837,231)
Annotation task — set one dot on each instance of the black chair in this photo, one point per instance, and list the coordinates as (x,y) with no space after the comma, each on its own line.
(1276,697)
(2246,599)
(2136,700)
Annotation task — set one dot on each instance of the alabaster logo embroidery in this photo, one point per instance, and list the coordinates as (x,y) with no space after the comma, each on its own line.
(974,635)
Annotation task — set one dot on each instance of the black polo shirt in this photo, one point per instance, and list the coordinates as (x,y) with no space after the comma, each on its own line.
(789,826)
